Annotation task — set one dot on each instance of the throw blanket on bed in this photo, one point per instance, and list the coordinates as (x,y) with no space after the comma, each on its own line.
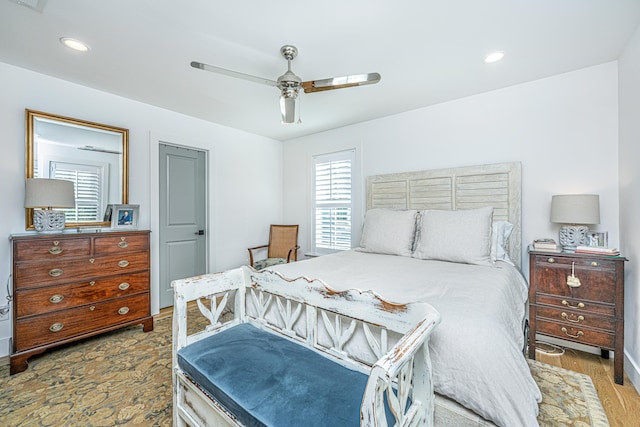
(476,350)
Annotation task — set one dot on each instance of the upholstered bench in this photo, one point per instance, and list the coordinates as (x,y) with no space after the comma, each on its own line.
(268,366)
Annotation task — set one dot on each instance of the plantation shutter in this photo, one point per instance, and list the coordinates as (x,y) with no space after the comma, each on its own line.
(87,181)
(333,202)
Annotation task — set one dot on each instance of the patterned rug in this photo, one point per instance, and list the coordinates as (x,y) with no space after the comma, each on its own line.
(124,378)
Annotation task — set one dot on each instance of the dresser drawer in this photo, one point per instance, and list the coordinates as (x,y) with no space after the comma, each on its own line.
(581,334)
(30,302)
(59,325)
(118,244)
(596,283)
(38,274)
(577,318)
(51,249)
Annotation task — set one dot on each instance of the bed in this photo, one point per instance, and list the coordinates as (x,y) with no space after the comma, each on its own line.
(481,376)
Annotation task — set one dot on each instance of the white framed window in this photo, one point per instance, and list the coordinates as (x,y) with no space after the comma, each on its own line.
(332,193)
(88,181)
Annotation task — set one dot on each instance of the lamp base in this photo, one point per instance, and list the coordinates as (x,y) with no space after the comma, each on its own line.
(48,221)
(572,236)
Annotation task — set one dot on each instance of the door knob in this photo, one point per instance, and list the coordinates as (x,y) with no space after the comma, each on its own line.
(199,233)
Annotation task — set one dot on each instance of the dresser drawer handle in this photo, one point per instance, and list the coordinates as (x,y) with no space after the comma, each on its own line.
(123,263)
(55,250)
(55,299)
(578,335)
(123,286)
(123,244)
(580,305)
(551,260)
(55,272)
(123,310)
(594,264)
(565,316)
(56,327)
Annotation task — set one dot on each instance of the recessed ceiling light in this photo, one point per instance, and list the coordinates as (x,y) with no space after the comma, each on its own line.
(74,44)
(494,57)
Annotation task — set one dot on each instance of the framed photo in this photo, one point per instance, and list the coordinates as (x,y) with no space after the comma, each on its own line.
(125,216)
(598,238)
(107,213)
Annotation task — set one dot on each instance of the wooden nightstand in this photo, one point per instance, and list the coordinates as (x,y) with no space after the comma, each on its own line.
(589,312)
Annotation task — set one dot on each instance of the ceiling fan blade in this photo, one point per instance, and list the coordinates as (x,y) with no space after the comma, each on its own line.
(340,82)
(231,73)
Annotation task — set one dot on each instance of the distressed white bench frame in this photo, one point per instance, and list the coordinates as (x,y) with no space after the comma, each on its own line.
(298,309)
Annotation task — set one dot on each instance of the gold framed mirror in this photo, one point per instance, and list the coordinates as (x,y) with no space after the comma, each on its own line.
(92,155)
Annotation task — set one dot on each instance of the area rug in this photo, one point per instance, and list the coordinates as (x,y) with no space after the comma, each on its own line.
(124,378)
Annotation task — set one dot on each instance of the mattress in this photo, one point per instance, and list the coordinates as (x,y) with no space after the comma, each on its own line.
(476,351)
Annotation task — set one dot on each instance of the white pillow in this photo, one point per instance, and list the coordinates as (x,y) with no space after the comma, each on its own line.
(457,236)
(389,232)
(500,232)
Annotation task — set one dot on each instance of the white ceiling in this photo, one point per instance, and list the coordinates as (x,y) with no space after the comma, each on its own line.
(427,51)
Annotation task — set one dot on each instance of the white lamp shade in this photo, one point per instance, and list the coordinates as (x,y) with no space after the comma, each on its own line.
(575,209)
(49,193)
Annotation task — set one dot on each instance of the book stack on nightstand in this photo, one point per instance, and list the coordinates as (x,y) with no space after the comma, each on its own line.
(546,245)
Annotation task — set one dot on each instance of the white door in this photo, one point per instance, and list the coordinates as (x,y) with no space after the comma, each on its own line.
(183,190)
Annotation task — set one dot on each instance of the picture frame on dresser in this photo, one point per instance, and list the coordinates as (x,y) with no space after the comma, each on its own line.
(599,239)
(125,217)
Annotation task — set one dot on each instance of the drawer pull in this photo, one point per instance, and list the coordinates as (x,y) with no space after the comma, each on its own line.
(123,263)
(55,249)
(91,283)
(55,272)
(56,327)
(123,286)
(594,264)
(572,280)
(578,335)
(565,316)
(123,244)
(55,299)
(580,305)
(123,310)
(551,260)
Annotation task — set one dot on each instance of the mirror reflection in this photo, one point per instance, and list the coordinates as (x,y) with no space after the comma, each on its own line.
(91,155)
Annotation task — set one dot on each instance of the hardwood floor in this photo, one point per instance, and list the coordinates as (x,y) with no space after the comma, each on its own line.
(620,402)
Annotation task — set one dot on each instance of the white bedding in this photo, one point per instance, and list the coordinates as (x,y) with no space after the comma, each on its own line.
(476,351)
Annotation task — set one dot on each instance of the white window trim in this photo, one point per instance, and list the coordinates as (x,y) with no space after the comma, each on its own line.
(350,154)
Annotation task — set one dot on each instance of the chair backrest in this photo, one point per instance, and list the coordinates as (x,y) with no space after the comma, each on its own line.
(282,238)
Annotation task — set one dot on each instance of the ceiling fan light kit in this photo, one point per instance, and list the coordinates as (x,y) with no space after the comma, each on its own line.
(290,84)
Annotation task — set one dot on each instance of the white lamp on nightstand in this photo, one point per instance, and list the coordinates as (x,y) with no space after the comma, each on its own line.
(48,193)
(575,212)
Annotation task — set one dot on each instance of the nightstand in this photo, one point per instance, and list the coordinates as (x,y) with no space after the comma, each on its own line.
(589,310)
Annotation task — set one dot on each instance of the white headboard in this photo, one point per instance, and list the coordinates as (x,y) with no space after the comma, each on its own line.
(468,187)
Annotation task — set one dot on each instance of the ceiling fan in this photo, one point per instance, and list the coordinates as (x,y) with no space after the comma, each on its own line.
(290,84)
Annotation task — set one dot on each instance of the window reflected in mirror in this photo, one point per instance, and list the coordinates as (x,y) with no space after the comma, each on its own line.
(91,155)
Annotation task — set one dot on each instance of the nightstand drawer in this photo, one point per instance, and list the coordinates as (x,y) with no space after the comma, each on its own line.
(560,260)
(577,318)
(594,284)
(584,335)
(581,305)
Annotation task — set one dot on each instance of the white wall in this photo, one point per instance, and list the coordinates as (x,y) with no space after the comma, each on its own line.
(629,75)
(245,170)
(564,130)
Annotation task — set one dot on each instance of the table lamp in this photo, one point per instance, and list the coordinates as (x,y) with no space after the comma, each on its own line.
(45,193)
(574,211)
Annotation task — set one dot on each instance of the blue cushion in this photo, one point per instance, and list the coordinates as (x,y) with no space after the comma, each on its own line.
(267,380)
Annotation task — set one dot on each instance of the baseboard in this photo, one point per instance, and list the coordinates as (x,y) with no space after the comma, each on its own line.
(632,369)
(5,350)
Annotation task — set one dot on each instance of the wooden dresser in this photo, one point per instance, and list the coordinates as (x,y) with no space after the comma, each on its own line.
(587,308)
(74,285)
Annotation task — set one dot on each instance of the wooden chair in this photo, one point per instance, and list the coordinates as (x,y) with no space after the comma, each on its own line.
(282,248)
